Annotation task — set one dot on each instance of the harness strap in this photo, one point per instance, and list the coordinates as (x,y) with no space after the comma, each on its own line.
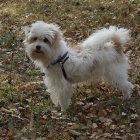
(61,60)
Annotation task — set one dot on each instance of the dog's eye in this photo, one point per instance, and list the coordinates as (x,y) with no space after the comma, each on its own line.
(34,38)
(46,40)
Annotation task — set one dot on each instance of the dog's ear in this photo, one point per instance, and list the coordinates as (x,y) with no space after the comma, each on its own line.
(26,30)
(55,34)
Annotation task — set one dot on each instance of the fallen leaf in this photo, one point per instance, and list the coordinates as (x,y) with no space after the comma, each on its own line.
(74,132)
(113,127)
(134,116)
(73,126)
(50,136)
(102,113)
(94,127)
(107,135)
(106,121)
(11,133)
(87,106)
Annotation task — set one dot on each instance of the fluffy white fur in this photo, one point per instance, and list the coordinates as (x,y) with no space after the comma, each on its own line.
(95,58)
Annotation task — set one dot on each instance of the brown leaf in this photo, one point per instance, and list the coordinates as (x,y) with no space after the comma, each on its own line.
(31,17)
(107,135)
(42,121)
(102,113)
(106,121)
(94,127)
(87,106)
(11,133)
(113,116)
(50,136)
(73,126)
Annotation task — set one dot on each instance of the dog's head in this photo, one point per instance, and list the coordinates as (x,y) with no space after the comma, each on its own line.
(40,40)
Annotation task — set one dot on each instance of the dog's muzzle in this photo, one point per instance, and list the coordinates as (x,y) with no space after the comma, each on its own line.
(38,49)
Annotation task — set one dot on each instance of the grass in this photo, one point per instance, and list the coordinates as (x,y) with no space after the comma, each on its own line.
(25,107)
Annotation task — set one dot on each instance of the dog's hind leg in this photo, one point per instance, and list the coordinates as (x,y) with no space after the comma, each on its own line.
(117,75)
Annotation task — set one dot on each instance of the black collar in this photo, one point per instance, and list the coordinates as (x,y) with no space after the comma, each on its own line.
(61,60)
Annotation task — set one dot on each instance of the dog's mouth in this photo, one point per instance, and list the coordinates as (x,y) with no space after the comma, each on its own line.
(38,51)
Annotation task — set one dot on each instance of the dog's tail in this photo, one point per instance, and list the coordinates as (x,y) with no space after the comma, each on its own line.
(119,36)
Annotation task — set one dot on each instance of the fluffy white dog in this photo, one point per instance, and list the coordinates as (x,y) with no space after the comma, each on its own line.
(100,56)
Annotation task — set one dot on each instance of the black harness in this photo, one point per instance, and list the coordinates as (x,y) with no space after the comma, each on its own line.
(61,60)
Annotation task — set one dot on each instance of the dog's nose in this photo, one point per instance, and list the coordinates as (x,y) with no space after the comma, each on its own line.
(38,47)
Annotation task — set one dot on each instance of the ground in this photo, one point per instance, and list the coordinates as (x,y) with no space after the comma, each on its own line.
(97,111)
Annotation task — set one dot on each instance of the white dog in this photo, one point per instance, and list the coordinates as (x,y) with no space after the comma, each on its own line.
(100,56)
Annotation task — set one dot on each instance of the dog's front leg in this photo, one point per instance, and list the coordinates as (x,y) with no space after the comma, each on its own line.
(60,92)
(65,93)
